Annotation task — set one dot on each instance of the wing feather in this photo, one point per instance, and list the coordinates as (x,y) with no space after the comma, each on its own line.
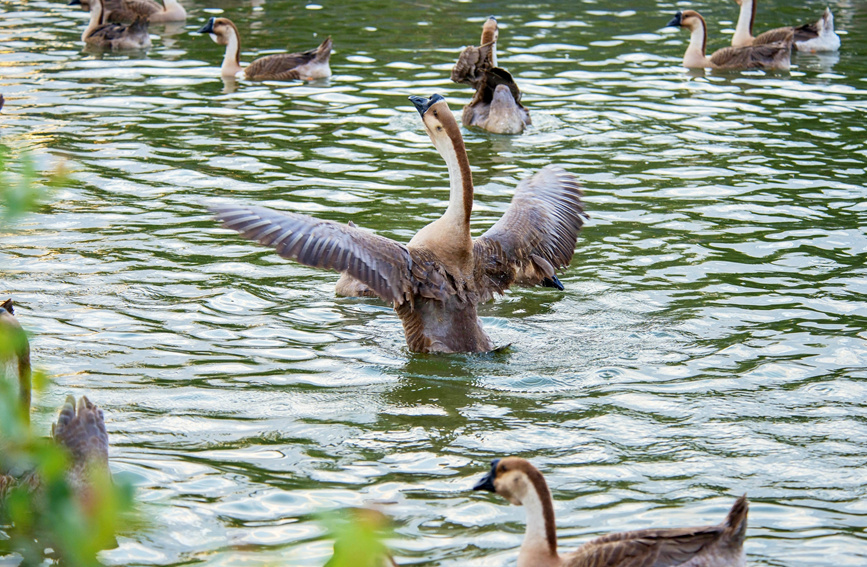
(537,233)
(383,265)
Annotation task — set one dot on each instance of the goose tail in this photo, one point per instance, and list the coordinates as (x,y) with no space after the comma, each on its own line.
(323,52)
(735,523)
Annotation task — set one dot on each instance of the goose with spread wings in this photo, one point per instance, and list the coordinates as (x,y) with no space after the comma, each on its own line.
(437,279)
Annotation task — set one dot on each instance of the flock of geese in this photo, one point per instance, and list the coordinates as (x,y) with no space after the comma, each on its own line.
(437,279)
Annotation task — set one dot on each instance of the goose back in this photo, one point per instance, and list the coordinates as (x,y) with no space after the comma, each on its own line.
(496,105)
(309,65)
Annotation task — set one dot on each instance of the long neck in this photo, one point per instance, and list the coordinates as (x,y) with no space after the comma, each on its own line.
(490,36)
(232,58)
(460,179)
(540,539)
(173,6)
(695,52)
(95,19)
(744,30)
(24,376)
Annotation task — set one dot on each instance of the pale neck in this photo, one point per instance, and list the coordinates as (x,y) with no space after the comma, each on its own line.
(95,19)
(460,181)
(744,30)
(232,58)
(537,537)
(494,54)
(694,56)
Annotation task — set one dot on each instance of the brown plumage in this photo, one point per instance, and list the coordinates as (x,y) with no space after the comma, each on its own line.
(522,484)
(772,56)
(113,36)
(813,36)
(80,427)
(436,280)
(474,61)
(496,106)
(119,11)
(307,66)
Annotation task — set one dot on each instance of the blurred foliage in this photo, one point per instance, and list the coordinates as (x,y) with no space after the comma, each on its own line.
(358,538)
(42,511)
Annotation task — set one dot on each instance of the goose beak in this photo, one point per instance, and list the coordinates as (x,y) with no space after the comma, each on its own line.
(422,104)
(207,28)
(675,21)
(74,3)
(487,481)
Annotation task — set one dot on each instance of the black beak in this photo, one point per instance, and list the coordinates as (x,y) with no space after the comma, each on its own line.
(74,3)
(675,21)
(492,18)
(554,282)
(207,28)
(487,481)
(422,104)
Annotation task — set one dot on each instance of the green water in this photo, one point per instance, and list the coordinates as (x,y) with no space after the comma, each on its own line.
(710,341)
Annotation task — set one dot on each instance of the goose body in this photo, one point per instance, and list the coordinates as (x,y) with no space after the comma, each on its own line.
(80,427)
(437,279)
(496,105)
(113,36)
(769,56)
(308,66)
(522,484)
(130,10)
(816,36)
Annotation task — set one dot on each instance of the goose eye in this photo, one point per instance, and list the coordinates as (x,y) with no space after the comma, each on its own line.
(439,128)
(435,114)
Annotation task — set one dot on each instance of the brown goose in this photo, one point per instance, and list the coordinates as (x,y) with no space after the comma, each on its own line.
(131,10)
(80,427)
(113,36)
(474,61)
(496,105)
(522,484)
(817,36)
(437,279)
(307,66)
(771,56)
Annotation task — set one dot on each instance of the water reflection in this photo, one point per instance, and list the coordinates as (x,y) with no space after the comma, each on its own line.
(709,342)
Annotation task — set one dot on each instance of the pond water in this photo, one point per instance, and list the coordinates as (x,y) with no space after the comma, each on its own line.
(710,341)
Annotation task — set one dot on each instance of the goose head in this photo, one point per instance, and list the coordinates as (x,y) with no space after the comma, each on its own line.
(689,19)
(514,479)
(221,30)
(439,122)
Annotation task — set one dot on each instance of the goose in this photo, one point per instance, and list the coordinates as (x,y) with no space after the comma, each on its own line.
(770,56)
(522,484)
(474,61)
(131,10)
(308,66)
(80,427)
(818,36)
(436,280)
(113,36)
(496,105)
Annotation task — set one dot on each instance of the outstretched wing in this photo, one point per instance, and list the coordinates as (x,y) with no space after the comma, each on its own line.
(535,236)
(380,263)
(472,64)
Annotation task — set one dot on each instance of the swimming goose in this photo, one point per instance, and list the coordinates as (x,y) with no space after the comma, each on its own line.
(307,66)
(80,427)
(474,61)
(437,279)
(770,56)
(496,105)
(522,484)
(131,10)
(113,36)
(818,36)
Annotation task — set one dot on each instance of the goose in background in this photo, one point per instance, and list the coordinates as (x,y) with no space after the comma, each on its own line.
(436,280)
(307,66)
(130,10)
(770,56)
(818,36)
(113,36)
(80,427)
(522,484)
(496,105)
